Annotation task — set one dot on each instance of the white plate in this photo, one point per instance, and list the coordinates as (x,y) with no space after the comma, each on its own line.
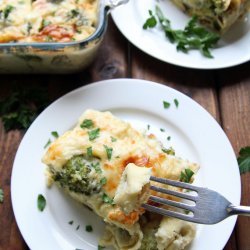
(195,135)
(233,48)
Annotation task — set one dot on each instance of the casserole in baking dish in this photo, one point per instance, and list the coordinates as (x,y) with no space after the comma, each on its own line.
(51,36)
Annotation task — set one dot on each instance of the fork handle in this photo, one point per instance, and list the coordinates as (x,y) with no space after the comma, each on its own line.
(238,210)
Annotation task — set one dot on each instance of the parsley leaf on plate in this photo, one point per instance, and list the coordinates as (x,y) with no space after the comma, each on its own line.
(244,160)
(41,202)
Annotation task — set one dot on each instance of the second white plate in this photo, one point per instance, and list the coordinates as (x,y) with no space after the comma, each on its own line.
(233,48)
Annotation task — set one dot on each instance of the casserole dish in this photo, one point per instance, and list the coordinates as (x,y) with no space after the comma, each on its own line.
(56,57)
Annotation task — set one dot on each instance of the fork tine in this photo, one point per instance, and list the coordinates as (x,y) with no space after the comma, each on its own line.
(169,213)
(174,183)
(171,203)
(174,193)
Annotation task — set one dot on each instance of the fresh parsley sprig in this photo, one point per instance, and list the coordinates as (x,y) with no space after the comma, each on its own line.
(194,36)
(19,109)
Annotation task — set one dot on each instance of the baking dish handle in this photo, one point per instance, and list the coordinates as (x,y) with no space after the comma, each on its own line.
(115,3)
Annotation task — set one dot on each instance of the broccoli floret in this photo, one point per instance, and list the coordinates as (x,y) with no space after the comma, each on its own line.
(149,241)
(75,175)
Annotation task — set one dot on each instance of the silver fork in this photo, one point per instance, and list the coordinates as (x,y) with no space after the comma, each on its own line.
(210,207)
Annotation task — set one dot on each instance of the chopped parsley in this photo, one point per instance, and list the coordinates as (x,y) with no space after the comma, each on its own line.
(55,134)
(107,199)
(41,202)
(93,134)
(71,222)
(244,160)
(44,24)
(89,152)
(162,129)
(96,166)
(100,247)
(108,151)
(193,36)
(169,151)
(77,227)
(21,107)
(7,11)
(89,228)
(47,144)
(113,139)
(186,175)
(176,102)
(103,181)
(169,138)
(148,127)
(166,105)
(151,21)
(87,123)
(1,195)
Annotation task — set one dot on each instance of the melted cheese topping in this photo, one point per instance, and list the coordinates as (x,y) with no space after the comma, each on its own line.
(47,20)
(120,164)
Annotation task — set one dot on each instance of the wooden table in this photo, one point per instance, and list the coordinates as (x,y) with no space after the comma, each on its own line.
(225,94)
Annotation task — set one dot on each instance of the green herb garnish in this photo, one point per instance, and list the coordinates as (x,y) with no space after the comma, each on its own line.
(55,134)
(89,228)
(41,202)
(169,151)
(169,138)
(151,21)
(103,181)
(113,139)
(186,175)
(44,24)
(166,105)
(194,36)
(108,151)
(71,222)
(176,102)
(244,160)
(107,199)
(47,144)
(93,134)
(148,127)
(77,227)
(89,152)
(100,247)
(1,195)
(162,129)
(97,168)
(87,123)
(20,108)
(7,11)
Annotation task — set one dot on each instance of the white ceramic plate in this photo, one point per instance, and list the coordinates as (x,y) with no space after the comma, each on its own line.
(195,135)
(233,48)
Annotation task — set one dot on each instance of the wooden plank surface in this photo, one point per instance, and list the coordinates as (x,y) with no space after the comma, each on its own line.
(225,94)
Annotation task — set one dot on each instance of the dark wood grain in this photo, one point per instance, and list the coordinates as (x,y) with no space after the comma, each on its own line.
(225,94)
(234,95)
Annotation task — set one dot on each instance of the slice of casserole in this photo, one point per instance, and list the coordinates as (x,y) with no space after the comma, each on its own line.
(106,164)
(216,14)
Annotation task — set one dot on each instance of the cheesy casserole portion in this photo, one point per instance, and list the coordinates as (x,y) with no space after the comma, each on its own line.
(47,20)
(216,14)
(106,164)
